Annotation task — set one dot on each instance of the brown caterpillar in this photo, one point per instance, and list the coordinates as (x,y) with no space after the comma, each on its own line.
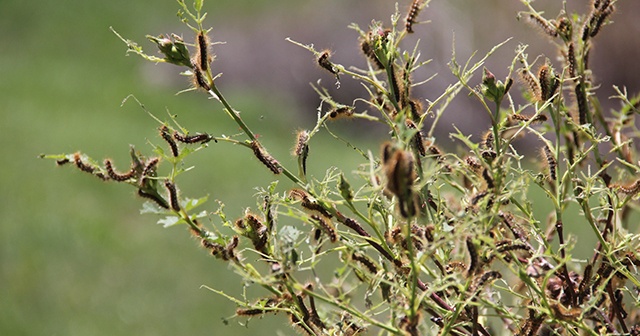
(477,197)
(265,158)
(544,76)
(259,236)
(571,60)
(199,80)
(62,162)
(547,26)
(365,261)
(487,178)
(327,226)
(150,167)
(191,139)
(630,189)
(487,139)
(341,112)
(473,257)
(415,109)
(173,195)
(396,86)
(164,133)
(307,203)
(249,312)
(367,50)
(534,119)
(301,143)
(159,201)
(323,62)
(486,277)
(412,15)
(416,140)
(117,176)
(87,168)
(601,10)
(532,84)
(203,51)
(551,162)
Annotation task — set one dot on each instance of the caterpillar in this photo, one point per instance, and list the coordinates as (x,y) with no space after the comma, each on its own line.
(150,167)
(534,119)
(87,168)
(301,143)
(308,204)
(115,175)
(412,15)
(486,277)
(551,162)
(164,133)
(191,139)
(365,261)
(159,201)
(416,140)
(199,81)
(415,109)
(532,84)
(341,112)
(630,189)
(547,26)
(367,50)
(325,63)
(571,60)
(265,158)
(203,51)
(173,195)
(473,257)
(249,312)
(327,226)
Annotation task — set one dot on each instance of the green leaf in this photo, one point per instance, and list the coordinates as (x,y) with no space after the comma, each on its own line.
(151,208)
(188,204)
(171,221)
(198,5)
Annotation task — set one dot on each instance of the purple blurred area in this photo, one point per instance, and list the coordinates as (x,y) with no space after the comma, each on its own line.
(256,56)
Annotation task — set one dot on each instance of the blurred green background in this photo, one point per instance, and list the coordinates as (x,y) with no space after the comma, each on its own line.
(76,258)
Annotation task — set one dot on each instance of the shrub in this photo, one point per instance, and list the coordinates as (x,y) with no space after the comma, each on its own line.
(422,240)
